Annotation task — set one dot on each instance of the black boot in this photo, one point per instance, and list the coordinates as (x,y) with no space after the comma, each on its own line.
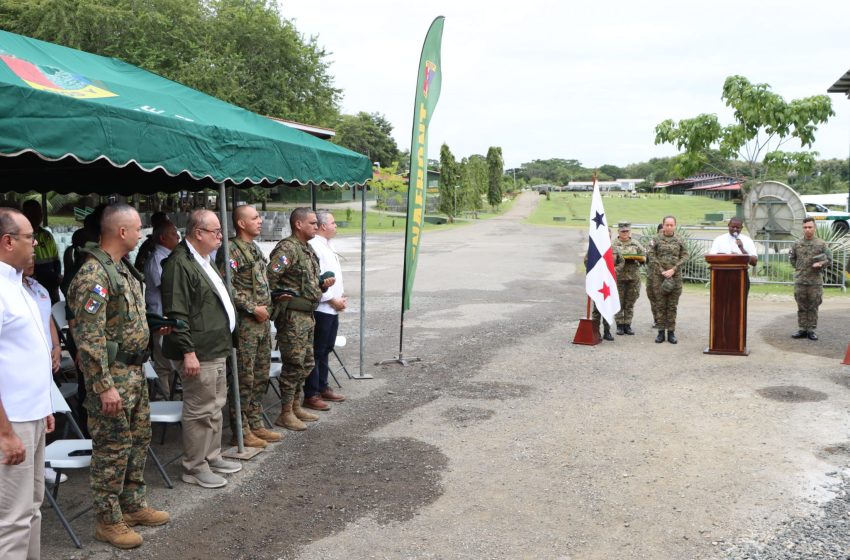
(812,335)
(660,338)
(607,334)
(619,328)
(628,329)
(671,337)
(800,334)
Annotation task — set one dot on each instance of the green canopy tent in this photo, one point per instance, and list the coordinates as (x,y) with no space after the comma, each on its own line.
(72,121)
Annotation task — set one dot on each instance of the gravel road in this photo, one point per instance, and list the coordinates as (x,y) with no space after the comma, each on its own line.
(507,441)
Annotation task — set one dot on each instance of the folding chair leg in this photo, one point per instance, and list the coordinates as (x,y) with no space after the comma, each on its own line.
(62,519)
(160,468)
(267,420)
(345,369)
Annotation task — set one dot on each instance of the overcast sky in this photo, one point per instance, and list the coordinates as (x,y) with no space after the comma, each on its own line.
(586,81)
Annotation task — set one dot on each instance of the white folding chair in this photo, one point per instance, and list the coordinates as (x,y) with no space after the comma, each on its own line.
(62,455)
(59,317)
(339,343)
(274,374)
(163,412)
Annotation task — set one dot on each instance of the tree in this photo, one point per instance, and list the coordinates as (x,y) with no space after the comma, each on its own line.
(368,134)
(495,171)
(764,122)
(612,171)
(449,183)
(473,180)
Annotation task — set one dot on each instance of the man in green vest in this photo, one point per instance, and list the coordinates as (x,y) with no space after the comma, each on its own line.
(111,333)
(48,267)
(253,300)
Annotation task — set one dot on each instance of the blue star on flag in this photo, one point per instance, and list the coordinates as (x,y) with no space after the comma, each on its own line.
(599,220)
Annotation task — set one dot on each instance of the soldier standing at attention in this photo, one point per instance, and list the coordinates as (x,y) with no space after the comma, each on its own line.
(294,266)
(653,278)
(668,254)
(252,299)
(809,256)
(111,333)
(628,275)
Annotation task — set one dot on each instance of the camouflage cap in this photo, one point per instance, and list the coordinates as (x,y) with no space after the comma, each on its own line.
(624,226)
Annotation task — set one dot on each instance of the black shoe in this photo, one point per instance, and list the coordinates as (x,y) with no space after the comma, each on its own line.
(671,337)
(607,335)
(654,325)
(660,337)
(812,335)
(800,334)
(619,329)
(628,329)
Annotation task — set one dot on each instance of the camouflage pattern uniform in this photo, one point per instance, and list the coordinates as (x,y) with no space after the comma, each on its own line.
(653,281)
(628,278)
(666,253)
(253,352)
(294,266)
(109,309)
(808,281)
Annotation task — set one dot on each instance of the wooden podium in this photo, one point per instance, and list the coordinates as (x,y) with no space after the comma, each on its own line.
(728,323)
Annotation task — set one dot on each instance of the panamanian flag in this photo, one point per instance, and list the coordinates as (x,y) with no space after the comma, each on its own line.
(601,280)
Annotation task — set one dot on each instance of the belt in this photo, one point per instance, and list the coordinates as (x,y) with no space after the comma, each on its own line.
(132,358)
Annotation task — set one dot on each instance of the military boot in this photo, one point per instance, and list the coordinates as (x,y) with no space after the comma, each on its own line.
(607,333)
(301,413)
(288,420)
(620,328)
(250,440)
(802,333)
(660,338)
(671,337)
(266,434)
(148,517)
(118,534)
(627,328)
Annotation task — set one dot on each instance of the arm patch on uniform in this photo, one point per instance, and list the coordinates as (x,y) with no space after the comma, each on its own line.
(234,265)
(99,290)
(92,305)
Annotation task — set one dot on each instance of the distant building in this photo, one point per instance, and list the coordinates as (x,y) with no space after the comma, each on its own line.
(618,185)
(712,185)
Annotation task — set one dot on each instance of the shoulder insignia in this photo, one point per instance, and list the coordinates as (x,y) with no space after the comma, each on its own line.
(277,267)
(233,264)
(99,290)
(283,260)
(92,305)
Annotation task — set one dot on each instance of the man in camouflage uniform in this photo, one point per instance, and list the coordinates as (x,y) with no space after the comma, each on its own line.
(809,256)
(652,280)
(252,298)
(294,266)
(112,336)
(631,255)
(668,254)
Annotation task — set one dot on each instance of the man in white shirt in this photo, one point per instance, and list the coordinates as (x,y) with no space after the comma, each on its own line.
(26,413)
(735,243)
(334,302)
(165,238)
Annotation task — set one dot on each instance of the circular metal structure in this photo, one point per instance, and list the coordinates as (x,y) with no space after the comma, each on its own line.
(773,210)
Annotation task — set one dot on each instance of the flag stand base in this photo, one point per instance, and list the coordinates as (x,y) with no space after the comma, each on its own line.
(846,361)
(398,360)
(247,455)
(360,376)
(587,334)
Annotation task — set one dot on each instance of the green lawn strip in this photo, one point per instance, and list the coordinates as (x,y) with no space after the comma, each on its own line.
(648,209)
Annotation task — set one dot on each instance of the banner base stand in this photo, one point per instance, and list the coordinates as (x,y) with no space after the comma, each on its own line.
(247,455)
(360,376)
(587,333)
(398,360)
(846,361)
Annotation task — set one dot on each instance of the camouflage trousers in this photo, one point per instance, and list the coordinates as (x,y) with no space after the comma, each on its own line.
(652,283)
(253,358)
(629,291)
(809,297)
(119,446)
(667,306)
(295,341)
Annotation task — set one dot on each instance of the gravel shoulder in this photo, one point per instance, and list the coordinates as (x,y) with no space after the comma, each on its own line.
(507,441)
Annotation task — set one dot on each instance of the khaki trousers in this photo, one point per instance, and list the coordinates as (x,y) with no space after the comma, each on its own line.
(203,398)
(21,493)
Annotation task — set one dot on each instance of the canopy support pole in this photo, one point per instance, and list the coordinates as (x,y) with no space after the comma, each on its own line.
(313,196)
(360,374)
(44,209)
(240,451)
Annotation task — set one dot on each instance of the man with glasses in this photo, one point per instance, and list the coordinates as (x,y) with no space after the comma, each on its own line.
(111,333)
(193,290)
(48,267)
(26,413)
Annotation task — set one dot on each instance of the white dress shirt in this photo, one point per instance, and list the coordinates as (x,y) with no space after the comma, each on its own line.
(212,273)
(153,279)
(25,364)
(328,260)
(727,245)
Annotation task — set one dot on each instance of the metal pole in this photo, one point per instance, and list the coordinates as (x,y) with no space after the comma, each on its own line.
(44,209)
(234,387)
(313,195)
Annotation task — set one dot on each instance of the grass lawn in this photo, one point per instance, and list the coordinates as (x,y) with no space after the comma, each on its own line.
(648,209)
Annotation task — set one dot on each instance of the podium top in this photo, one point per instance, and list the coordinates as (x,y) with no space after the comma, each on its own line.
(742,260)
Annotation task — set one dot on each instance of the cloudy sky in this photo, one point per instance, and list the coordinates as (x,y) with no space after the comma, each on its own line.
(586,81)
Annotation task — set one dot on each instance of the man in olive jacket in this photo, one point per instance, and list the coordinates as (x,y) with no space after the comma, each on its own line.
(192,290)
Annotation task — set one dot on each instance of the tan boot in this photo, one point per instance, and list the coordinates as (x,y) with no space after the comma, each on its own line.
(250,440)
(148,517)
(268,435)
(117,534)
(301,413)
(288,420)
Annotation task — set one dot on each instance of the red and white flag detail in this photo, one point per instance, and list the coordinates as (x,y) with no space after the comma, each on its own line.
(601,281)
